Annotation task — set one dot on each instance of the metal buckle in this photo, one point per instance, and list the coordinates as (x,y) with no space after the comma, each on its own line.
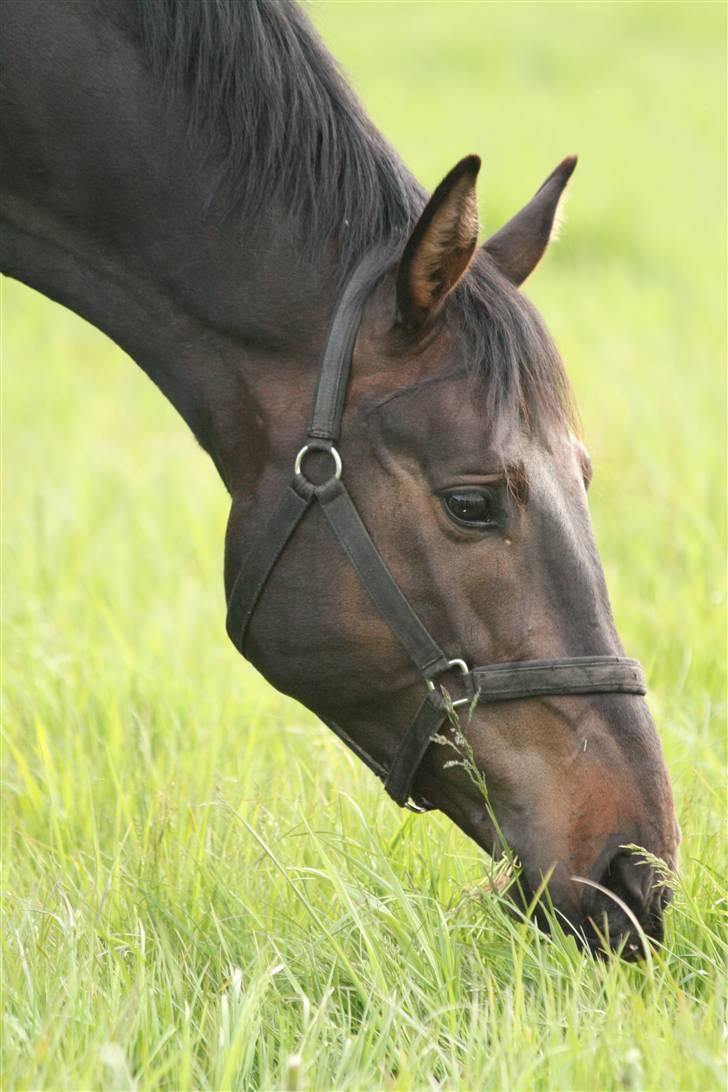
(410,805)
(464,670)
(315,445)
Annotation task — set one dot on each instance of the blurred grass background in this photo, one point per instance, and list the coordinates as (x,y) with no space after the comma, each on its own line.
(203,889)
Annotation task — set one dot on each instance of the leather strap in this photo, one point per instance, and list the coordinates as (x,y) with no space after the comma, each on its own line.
(328,407)
(575,675)
(262,557)
(430,718)
(378,582)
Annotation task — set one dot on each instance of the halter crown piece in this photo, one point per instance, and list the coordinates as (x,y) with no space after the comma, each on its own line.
(494,683)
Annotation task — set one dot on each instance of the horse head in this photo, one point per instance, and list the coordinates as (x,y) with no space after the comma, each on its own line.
(461,458)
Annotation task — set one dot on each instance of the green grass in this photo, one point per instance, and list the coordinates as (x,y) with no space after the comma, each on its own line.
(202,887)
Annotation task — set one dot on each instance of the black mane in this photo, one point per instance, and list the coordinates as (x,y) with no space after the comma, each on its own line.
(280,119)
(283,125)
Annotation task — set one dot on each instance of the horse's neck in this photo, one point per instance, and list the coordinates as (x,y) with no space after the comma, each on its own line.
(106,208)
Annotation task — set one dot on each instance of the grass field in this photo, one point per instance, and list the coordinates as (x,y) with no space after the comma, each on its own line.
(202,887)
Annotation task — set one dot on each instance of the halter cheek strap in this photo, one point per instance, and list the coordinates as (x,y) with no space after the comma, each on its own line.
(484,685)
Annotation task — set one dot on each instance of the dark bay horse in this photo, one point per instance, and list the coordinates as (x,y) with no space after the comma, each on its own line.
(197,180)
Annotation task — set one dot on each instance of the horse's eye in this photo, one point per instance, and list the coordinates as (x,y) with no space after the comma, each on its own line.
(471,507)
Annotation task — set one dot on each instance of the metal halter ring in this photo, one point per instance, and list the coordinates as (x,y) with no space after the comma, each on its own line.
(329,449)
(464,670)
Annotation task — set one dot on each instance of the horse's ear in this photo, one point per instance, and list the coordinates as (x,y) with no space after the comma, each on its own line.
(441,246)
(520,245)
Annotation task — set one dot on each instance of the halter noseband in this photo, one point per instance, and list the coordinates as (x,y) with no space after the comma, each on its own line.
(494,683)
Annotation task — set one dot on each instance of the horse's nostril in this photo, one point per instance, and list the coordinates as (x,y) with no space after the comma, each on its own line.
(630,879)
(625,907)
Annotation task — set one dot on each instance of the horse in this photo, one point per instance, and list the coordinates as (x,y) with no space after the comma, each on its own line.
(199,181)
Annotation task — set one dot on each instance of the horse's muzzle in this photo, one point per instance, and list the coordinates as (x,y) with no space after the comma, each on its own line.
(621,913)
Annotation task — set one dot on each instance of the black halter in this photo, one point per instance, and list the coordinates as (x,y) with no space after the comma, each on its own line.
(495,683)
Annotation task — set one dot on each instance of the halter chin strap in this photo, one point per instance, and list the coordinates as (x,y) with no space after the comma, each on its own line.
(480,685)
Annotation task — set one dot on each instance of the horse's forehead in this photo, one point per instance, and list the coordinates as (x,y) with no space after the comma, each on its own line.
(444,421)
